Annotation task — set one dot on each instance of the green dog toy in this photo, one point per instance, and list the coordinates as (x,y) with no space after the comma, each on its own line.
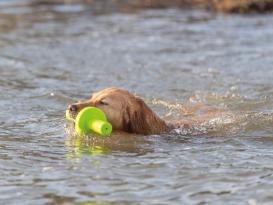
(91,120)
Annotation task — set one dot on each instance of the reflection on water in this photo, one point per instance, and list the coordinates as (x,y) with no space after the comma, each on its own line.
(52,55)
(94,145)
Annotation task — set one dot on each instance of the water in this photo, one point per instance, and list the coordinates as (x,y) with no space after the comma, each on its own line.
(52,56)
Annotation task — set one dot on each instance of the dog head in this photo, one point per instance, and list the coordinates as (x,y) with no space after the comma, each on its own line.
(123,110)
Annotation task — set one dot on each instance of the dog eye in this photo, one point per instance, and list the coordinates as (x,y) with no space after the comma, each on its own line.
(102,102)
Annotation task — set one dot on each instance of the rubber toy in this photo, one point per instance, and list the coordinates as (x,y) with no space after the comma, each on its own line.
(91,120)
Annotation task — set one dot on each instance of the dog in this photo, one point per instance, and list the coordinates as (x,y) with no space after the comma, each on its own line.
(129,113)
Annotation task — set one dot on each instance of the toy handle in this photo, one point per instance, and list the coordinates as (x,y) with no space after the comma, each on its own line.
(100,127)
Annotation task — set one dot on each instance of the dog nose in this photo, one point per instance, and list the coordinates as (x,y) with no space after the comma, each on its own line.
(73,108)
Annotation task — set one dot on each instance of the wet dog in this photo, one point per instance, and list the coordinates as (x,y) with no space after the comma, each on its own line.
(129,113)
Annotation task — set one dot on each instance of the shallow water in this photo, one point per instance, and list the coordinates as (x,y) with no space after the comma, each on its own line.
(52,56)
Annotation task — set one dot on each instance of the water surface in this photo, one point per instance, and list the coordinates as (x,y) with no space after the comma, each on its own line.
(51,56)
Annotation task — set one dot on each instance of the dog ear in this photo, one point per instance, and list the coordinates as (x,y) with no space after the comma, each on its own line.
(136,118)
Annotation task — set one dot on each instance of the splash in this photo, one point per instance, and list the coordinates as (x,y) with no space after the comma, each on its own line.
(251,123)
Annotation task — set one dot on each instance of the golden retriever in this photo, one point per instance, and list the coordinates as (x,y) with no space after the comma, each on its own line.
(127,112)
